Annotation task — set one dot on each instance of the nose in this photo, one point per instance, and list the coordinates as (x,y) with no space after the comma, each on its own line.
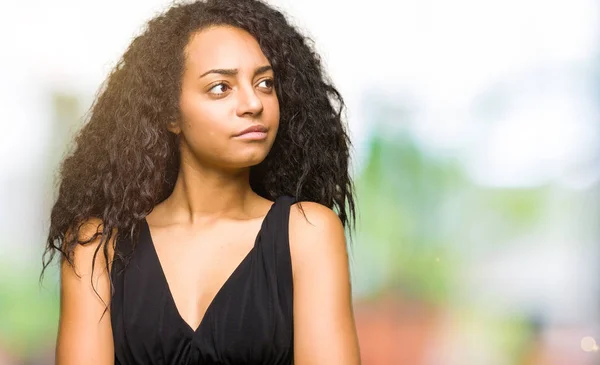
(248,102)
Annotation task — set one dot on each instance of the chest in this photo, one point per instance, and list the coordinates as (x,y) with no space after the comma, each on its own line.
(247,319)
(195,269)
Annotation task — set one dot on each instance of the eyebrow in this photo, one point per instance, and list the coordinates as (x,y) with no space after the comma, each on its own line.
(234,71)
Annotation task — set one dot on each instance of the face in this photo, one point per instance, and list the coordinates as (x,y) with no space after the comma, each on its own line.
(227,87)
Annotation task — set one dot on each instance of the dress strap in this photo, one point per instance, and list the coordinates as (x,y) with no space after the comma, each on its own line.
(275,248)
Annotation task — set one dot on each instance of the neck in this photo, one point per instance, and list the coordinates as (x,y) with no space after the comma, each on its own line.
(201,191)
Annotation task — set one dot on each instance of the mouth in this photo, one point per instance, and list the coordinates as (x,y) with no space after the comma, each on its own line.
(256,131)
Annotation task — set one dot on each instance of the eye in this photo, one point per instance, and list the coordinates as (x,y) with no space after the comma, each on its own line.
(266,84)
(219,89)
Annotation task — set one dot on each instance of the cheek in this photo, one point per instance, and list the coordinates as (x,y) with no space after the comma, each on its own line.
(203,119)
(204,127)
(272,112)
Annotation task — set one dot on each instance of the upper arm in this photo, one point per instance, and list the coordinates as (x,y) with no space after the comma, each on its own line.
(324,329)
(85,333)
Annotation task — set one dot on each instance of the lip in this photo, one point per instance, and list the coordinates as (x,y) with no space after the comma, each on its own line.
(256,131)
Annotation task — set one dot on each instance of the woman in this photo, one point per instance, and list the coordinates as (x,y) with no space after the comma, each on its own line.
(194,218)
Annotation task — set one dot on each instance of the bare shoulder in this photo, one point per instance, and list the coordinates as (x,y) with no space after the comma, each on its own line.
(85,333)
(83,254)
(316,235)
(88,261)
(324,330)
(315,214)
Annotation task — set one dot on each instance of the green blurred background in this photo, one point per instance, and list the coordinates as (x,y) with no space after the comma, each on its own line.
(477,165)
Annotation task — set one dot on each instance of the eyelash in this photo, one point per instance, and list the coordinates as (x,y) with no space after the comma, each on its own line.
(269,81)
(219,84)
(270,87)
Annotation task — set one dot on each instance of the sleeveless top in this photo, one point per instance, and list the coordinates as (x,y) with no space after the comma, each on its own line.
(249,321)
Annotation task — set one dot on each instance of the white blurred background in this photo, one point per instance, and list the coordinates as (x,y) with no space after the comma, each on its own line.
(477,160)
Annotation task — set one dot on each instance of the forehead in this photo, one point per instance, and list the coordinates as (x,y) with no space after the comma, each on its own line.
(224,47)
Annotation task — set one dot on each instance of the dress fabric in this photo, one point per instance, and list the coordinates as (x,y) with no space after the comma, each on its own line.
(249,321)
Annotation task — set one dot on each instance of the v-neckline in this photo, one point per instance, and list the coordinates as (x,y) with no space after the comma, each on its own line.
(229,279)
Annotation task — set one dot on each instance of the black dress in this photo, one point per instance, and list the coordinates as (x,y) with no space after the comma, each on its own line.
(250,320)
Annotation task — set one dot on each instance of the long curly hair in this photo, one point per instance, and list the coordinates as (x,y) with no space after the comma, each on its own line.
(124,161)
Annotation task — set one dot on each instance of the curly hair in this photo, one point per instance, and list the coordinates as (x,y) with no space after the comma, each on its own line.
(125,161)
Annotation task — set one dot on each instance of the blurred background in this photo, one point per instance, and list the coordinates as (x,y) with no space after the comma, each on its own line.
(476,130)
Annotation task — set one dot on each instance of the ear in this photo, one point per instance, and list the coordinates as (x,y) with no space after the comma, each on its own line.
(174,127)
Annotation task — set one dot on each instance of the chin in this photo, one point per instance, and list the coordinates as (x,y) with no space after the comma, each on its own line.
(249,159)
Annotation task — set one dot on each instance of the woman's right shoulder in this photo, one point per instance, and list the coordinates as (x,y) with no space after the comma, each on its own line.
(85,333)
(89,249)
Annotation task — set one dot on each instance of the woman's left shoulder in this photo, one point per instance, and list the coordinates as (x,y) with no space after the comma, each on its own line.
(314,220)
(316,235)
(324,329)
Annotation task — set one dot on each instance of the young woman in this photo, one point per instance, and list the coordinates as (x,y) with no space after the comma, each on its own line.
(195,218)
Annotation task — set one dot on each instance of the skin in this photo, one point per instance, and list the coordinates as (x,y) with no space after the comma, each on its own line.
(214,216)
